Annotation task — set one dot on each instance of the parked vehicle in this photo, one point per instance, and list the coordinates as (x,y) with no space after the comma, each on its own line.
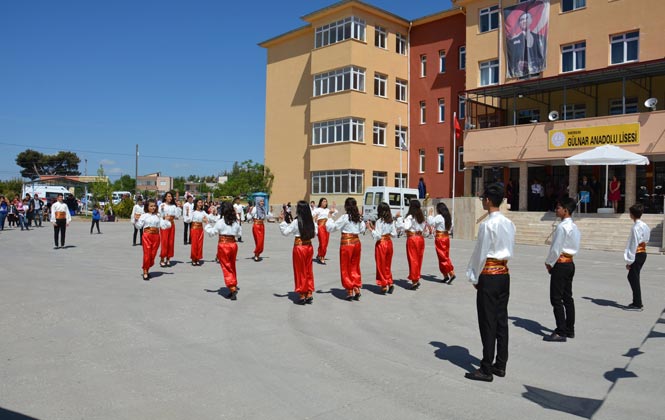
(397,198)
(117,196)
(46,193)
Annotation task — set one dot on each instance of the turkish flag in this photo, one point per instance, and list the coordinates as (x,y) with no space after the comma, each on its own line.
(458,129)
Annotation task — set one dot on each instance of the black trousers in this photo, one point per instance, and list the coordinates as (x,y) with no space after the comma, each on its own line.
(95,223)
(561,297)
(140,236)
(186,231)
(492,306)
(634,277)
(60,227)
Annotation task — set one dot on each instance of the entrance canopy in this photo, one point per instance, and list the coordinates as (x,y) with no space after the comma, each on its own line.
(607,155)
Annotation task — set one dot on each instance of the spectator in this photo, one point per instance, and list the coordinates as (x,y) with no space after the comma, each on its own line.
(4,210)
(29,206)
(39,206)
(96,216)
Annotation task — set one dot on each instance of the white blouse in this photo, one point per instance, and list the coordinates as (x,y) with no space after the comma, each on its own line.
(170,210)
(221,228)
(289,228)
(199,216)
(438,222)
(58,206)
(187,211)
(382,228)
(639,233)
(410,224)
(319,213)
(149,220)
(345,225)
(137,210)
(566,239)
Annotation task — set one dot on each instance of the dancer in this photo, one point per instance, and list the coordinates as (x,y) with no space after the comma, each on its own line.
(150,223)
(321,215)
(60,217)
(303,229)
(351,225)
(170,211)
(442,223)
(414,225)
(258,216)
(383,232)
(137,211)
(240,213)
(228,230)
(636,254)
(198,218)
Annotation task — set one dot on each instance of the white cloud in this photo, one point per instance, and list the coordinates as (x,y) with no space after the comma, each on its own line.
(107,162)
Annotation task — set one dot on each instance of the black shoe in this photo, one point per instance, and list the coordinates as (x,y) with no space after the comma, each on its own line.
(356,297)
(555,338)
(391,289)
(570,335)
(349,297)
(450,280)
(146,276)
(257,259)
(233,295)
(301,301)
(309,300)
(479,375)
(498,372)
(415,285)
(633,307)
(56,247)
(445,280)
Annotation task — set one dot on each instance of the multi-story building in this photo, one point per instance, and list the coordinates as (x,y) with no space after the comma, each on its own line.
(549,79)
(154,182)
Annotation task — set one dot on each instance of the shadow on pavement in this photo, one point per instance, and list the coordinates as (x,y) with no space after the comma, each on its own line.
(579,406)
(433,278)
(293,296)
(531,326)
(13,415)
(604,302)
(457,355)
(373,288)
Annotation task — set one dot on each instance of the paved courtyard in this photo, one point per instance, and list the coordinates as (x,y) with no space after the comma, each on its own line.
(83,337)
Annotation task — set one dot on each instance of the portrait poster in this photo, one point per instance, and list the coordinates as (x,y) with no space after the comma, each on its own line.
(525,28)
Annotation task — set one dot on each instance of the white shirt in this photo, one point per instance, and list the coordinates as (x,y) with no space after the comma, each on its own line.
(199,216)
(438,222)
(382,228)
(496,238)
(409,223)
(170,210)
(58,206)
(345,225)
(136,210)
(240,211)
(566,239)
(221,228)
(289,228)
(639,233)
(187,210)
(148,220)
(319,213)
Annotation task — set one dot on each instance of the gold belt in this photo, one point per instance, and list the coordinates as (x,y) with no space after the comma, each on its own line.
(298,241)
(495,267)
(410,233)
(151,230)
(321,222)
(349,239)
(441,234)
(565,258)
(60,215)
(197,225)
(641,248)
(169,218)
(385,238)
(227,239)
(258,221)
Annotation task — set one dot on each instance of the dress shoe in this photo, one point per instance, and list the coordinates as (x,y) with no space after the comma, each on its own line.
(415,285)
(349,297)
(450,280)
(633,307)
(570,335)
(391,289)
(301,301)
(233,295)
(146,276)
(309,300)
(445,280)
(498,372)
(356,296)
(555,338)
(479,375)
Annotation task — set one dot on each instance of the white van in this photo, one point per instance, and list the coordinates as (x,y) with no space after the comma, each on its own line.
(46,193)
(397,198)
(118,195)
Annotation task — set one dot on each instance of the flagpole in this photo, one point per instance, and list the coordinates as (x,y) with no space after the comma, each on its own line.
(454,131)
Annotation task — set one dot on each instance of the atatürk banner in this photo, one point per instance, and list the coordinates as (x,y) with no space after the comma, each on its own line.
(526,26)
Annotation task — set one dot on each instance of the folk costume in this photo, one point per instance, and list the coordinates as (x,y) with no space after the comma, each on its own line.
(302,254)
(635,256)
(349,253)
(258,216)
(168,212)
(187,211)
(383,254)
(61,218)
(320,216)
(415,246)
(150,225)
(227,250)
(442,246)
(137,211)
(198,219)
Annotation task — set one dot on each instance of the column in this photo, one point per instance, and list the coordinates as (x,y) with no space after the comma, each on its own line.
(573,180)
(630,187)
(524,186)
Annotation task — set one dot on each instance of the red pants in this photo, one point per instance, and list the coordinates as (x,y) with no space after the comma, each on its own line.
(383,254)
(324,237)
(226,254)
(443,254)
(196,236)
(415,249)
(302,268)
(168,239)
(259,232)
(349,266)
(150,246)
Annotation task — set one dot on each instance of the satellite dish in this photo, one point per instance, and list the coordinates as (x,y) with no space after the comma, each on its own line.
(553,116)
(651,103)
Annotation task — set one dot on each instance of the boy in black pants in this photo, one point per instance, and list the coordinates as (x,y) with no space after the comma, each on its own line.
(635,254)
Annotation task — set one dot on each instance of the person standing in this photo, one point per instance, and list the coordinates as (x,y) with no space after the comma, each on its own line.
(414,225)
(559,263)
(4,211)
(29,206)
(351,225)
(303,230)
(20,210)
(442,223)
(150,223)
(321,214)
(60,217)
(615,192)
(228,228)
(96,216)
(137,211)
(488,271)
(383,232)
(39,207)
(422,189)
(187,210)
(636,254)
(240,213)
(258,214)
(198,219)
(169,210)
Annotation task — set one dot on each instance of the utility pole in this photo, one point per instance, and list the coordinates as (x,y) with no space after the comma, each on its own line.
(136,171)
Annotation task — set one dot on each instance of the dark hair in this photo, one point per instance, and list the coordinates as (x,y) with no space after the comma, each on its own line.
(196,203)
(228,213)
(167,193)
(442,209)
(416,211)
(636,210)
(568,204)
(494,193)
(321,201)
(305,221)
(351,208)
(384,213)
(146,206)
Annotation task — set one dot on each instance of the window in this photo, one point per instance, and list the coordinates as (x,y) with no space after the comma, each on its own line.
(568,5)
(379,138)
(400,90)
(460,159)
(616,106)
(442,61)
(400,137)
(461,107)
(440,159)
(348,78)
(351,27)
(489,18)
(527,116)
(336,131)
(380,36)
(380,84)
(489,72)
(442,110)
(400,180)
(573,111)
(421,160)
(347,181)
(379,179)
(462,57)
(423,112)
(624,47)
(573,57)
(423,65)
(400,44)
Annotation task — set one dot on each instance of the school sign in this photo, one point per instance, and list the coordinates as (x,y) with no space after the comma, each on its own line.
(577,138)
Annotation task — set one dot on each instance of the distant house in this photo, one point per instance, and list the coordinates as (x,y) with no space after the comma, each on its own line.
(154,182)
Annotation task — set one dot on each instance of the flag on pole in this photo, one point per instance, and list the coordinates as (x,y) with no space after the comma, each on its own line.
(458,129)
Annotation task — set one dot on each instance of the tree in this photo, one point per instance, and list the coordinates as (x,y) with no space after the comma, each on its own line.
(125,183)
(179,184)
(35,163)
(10,188)
(246,178)
(101,189)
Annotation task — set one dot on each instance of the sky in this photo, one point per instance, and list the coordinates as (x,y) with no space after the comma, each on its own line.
(183,79)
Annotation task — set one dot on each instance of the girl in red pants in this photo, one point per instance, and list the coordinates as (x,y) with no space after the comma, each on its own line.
(383,232)
(442,223)
(199,218)
(303,229)
(151,223)
(414,225)
(351,225)
(228,229)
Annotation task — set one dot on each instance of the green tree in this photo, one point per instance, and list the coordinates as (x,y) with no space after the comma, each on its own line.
(125,183)
(101,189)
(246,178)
(179,184)
(11,187)
(35,163)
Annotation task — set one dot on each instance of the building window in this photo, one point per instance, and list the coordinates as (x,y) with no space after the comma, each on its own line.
(568,5)
(489,72)
(400,90)
(421,160)
(573,111)
(423,65)
(461,107)
(624,47)
(379,137)
(442,110)
(526,116)
(351,27)
(423,112)
(380,84)
(440,160)
(347,181)
(616,106)
(489,18)
(400,44)
(336,131)
(348,78)
(460,159)
(400,180)
(462,57)
(379,179)
(442,61)
(573,57)
(400,137)
(380,36)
